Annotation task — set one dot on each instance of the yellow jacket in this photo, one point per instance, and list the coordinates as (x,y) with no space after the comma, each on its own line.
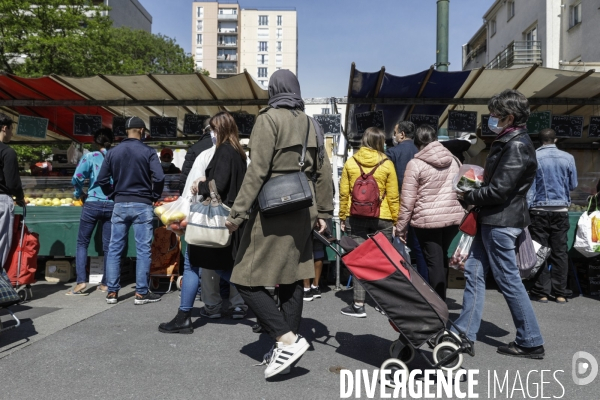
(385,177)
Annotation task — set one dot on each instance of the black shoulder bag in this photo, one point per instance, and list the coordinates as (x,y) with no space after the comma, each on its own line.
(287,193)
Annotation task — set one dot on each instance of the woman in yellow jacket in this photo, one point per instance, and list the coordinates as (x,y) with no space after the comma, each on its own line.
(353,221)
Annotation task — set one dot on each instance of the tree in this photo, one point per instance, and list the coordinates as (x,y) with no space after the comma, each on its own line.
(76,38)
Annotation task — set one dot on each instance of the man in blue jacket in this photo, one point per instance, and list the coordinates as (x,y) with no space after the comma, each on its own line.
(138,181)
(549,200)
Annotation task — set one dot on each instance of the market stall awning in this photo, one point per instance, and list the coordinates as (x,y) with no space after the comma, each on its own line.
(435,93)
(59,98)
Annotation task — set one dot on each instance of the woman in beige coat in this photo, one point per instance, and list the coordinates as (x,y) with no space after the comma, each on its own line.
(277,250)
(429,204)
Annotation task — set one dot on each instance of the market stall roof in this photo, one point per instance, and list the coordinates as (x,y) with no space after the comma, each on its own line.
(59,98)
(435,93)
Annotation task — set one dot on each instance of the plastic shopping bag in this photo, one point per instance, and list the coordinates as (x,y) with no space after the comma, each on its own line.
(460,255)
(588,233)
(174,215)
(469,177)
(526,255)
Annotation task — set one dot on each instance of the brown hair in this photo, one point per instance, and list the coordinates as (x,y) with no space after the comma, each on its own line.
(226,130)
(373,138)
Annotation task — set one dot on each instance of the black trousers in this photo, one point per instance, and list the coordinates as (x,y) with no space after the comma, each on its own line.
(550,229)
(434,245)
(275,321)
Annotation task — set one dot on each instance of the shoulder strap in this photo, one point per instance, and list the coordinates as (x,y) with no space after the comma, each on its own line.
(303,156)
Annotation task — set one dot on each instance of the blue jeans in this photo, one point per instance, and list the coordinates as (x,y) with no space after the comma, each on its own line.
(124,216)
(92,213)
(415,247)
(189,287)
(494,248)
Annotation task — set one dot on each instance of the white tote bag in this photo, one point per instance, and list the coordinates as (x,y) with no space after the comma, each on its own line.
(206,221)
(587,241)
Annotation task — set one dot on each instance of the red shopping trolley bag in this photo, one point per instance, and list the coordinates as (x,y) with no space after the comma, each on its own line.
(21,264)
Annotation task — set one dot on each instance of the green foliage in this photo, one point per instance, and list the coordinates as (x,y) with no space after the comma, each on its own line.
(31,154)
(203,71)
(76,38)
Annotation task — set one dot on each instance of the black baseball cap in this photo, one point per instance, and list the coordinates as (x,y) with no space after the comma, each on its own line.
(134,122)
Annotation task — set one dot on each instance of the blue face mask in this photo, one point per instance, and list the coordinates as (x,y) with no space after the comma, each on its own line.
(493,125)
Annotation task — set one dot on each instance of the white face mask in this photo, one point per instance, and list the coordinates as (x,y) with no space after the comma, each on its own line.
(493,125)
(394,140)
(213,136)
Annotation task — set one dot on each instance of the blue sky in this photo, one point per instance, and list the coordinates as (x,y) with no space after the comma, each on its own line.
(397,34)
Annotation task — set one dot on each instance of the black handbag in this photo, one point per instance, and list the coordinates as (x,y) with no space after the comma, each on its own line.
(287,193)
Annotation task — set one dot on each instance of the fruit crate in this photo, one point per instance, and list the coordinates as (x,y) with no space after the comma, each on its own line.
(47,191)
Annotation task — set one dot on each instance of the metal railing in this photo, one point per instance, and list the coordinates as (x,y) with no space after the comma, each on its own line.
(227,70)
(227,30)
(521,52)
(223,44)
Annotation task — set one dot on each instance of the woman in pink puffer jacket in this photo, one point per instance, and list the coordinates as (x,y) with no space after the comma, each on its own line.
(429,204)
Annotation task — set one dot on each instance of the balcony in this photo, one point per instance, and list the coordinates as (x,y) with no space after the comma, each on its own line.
(227,57)
(227,45)
(518,54)
(228,31)
(226,70)
(227,17)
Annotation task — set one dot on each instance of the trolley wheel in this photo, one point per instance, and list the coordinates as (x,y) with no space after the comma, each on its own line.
(393,364)
(405,354)
(448,336)
(23,294)
(443,350)
(154,283)
(179,282)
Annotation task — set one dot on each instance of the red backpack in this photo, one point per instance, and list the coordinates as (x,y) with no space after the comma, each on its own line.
(365,193)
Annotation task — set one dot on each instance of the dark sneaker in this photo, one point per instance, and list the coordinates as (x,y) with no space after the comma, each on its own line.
(308,295)
(514,350)
(354,311)
(256,328)
(204,313)
(112,298)
(316,292)
(238,313)
(146,298)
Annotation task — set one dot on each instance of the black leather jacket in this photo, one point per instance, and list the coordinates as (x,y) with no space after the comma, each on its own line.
(509,172)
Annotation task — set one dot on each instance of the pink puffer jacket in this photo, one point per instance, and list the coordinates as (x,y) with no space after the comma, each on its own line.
(428,199)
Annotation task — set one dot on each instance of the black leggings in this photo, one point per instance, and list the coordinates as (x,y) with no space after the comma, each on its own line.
(276,322)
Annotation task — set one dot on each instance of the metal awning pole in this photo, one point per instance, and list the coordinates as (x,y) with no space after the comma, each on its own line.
(336,200)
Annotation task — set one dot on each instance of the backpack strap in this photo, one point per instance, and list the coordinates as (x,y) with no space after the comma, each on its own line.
(372,171)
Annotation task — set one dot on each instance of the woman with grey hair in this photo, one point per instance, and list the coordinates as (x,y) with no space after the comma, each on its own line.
(509,172)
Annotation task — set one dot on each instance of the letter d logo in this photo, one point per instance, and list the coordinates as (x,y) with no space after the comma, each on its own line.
(580,367)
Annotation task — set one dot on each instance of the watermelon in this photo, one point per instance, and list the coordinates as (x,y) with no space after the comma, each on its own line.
(469,181)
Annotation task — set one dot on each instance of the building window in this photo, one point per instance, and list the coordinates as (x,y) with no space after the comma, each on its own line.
(262,72)
(324,110)
(263,32)
(263,46)
(277,68)
(279,18)
(199,26)
(198,64)
(227,11)
(262,83)
(199,52)
(278,46)
(200,12)
(263,20)
(262,59)
(492,27)
(279,33)
(511,9)
(531,35)
(199,38)
(575,15)
(278,59)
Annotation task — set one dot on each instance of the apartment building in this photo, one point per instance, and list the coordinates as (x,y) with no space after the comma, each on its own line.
(129,13)
(228,39)
(552,33)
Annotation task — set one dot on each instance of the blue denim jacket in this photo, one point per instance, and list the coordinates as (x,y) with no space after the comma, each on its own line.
(556,176)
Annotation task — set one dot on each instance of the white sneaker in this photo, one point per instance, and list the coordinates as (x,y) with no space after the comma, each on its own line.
(267,359)
(283,356)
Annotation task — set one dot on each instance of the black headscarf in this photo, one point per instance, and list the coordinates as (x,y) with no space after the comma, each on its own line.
(284,90)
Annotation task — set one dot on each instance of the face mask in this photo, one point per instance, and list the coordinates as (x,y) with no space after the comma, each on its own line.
(394,140)
(165,164)
(493,125)
(213,136)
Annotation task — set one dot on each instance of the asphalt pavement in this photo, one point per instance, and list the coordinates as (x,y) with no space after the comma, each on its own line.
(80,347)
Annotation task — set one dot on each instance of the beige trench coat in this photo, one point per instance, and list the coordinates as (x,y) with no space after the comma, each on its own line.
(278,249)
